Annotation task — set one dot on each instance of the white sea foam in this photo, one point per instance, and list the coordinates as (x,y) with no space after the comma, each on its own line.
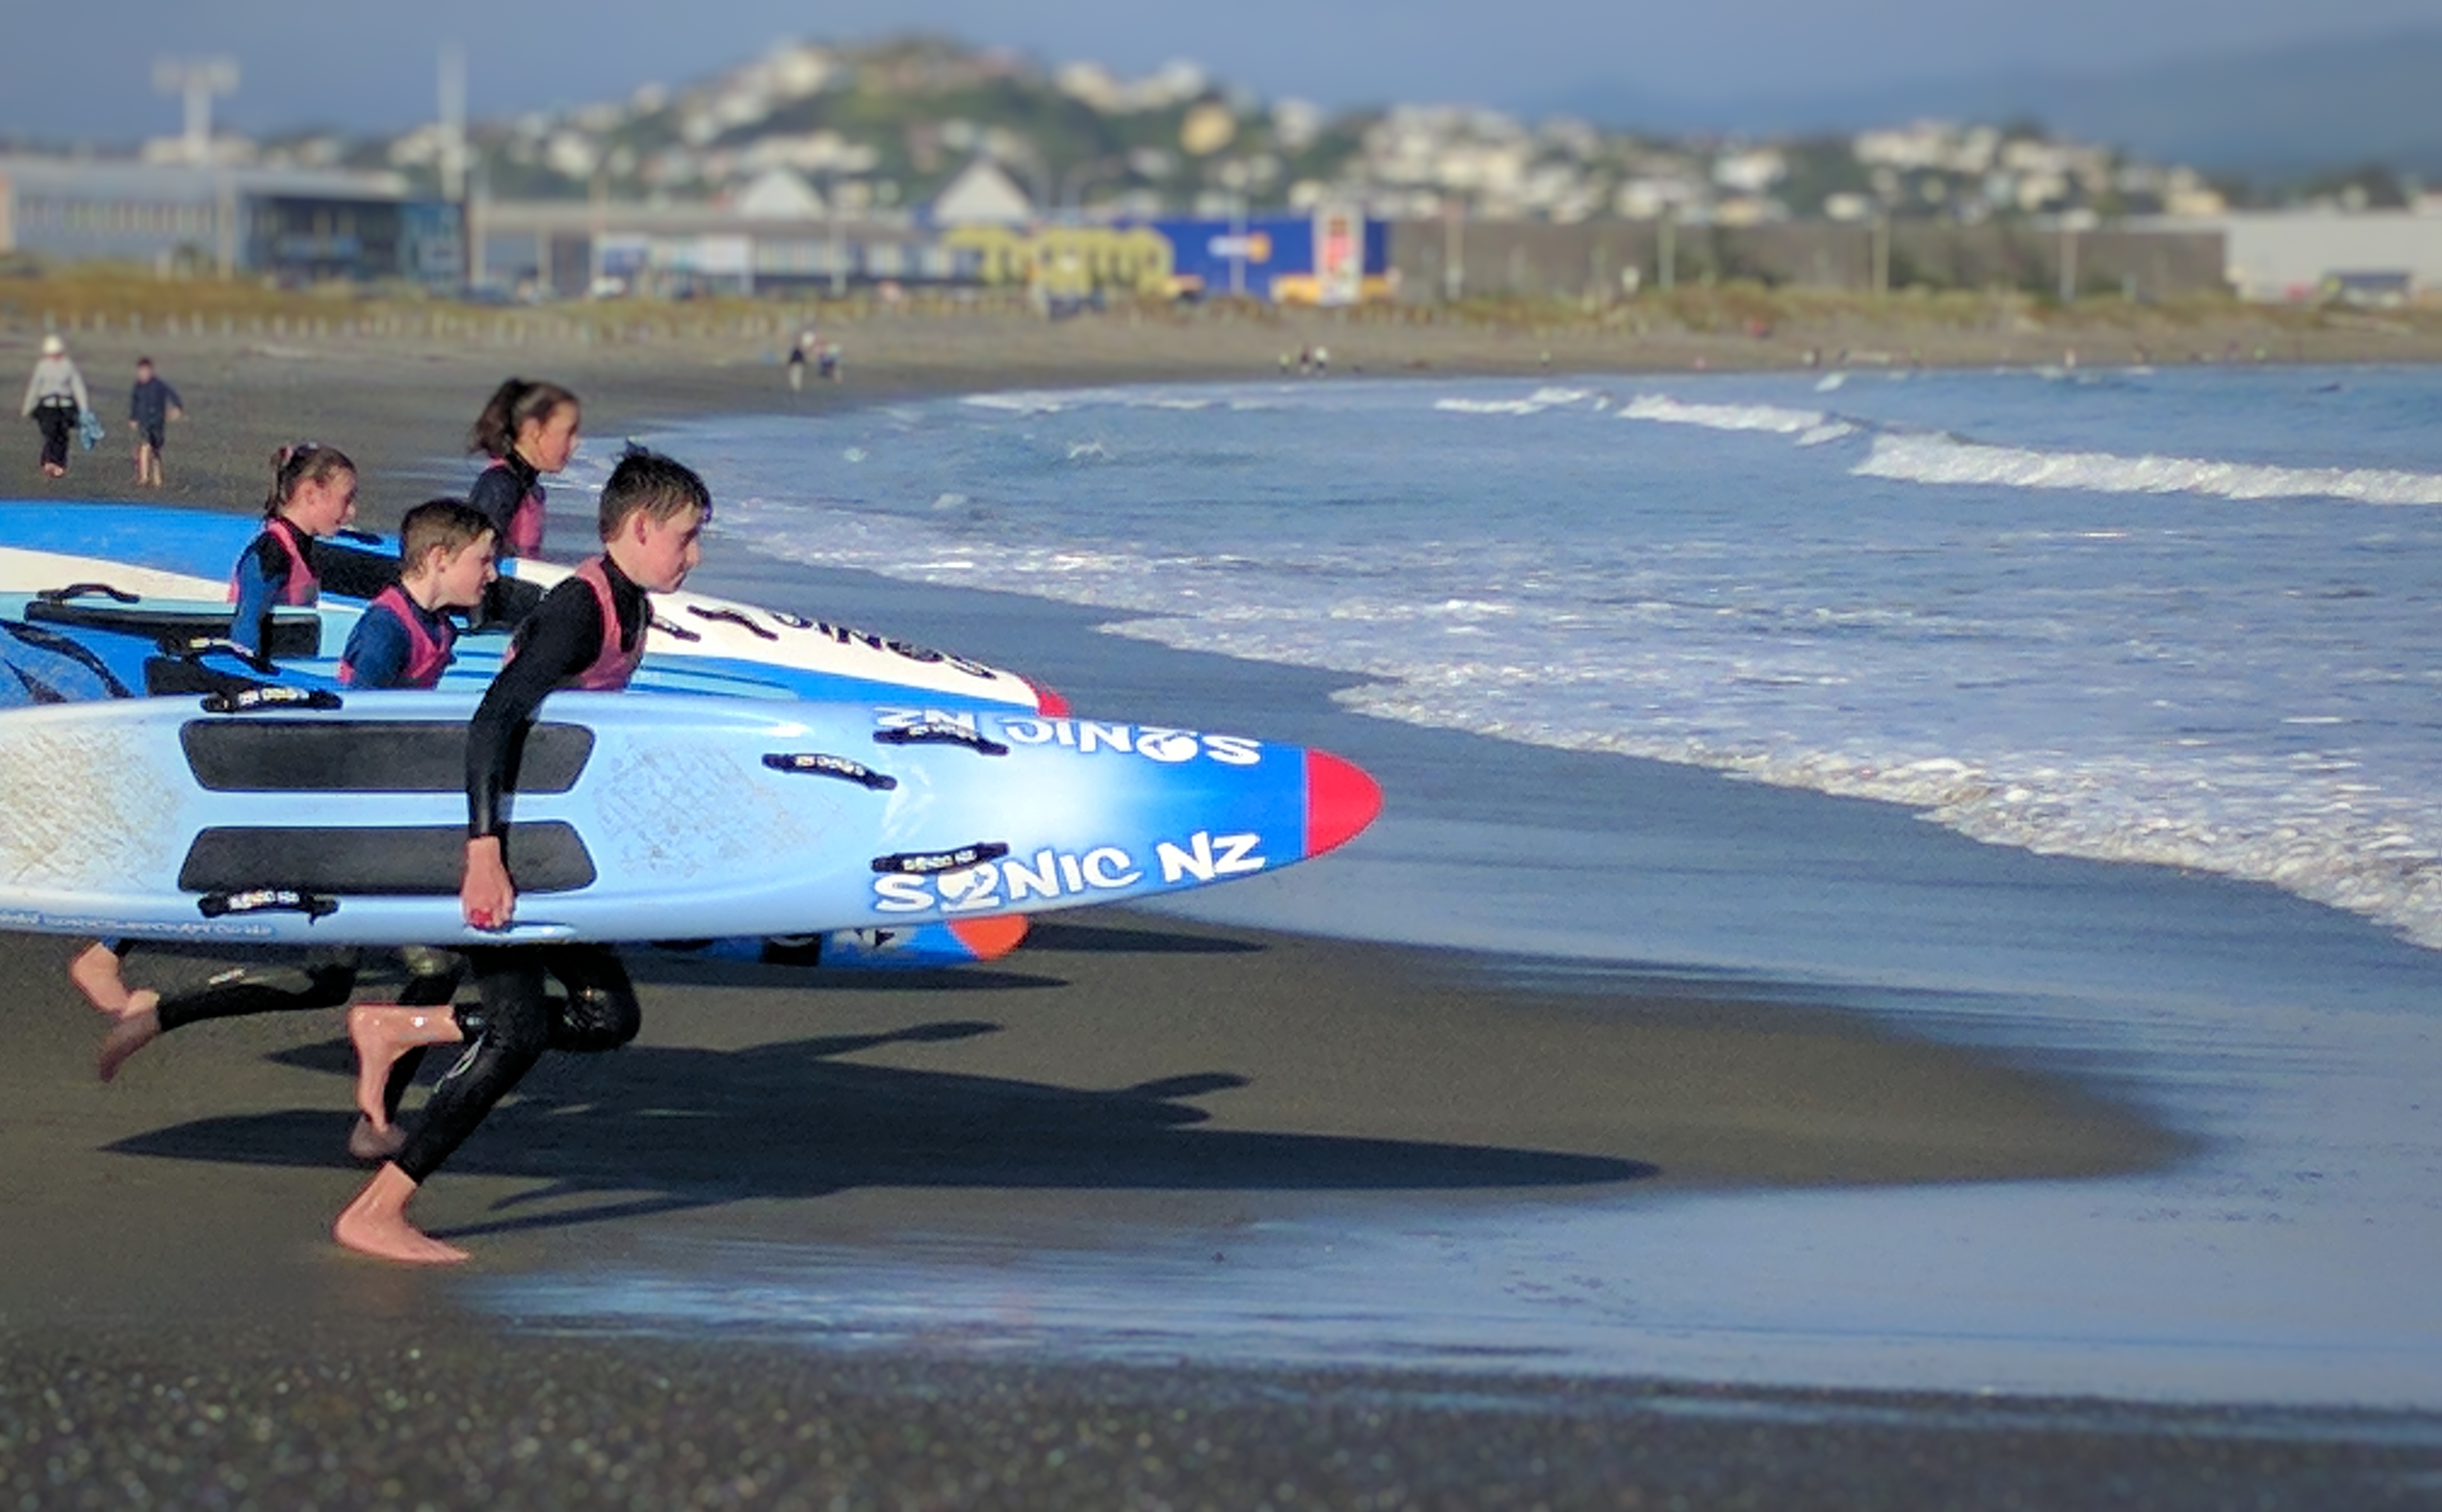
(1536,403)
(1934,458)
(1662,410)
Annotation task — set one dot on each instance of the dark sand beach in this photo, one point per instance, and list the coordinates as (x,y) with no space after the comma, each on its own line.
(178,1330)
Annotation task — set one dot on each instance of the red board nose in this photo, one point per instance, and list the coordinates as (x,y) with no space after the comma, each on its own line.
(1047,702)
(1339,800)
(991,937)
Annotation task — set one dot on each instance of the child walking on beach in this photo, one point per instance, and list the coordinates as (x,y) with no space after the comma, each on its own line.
(151,405)
(404,641)
(527,429)
(588,632)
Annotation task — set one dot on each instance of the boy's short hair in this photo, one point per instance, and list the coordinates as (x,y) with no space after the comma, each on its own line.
(451,524)
(648,482)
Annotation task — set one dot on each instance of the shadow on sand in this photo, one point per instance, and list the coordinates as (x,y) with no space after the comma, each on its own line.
(696,1128)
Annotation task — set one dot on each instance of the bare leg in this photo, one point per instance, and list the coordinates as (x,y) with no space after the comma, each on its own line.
(375,1224)
(137,1027)
(382,1032)
(96,974)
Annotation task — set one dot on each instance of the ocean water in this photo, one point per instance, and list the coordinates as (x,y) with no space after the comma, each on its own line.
(2185,617)
(2137,667)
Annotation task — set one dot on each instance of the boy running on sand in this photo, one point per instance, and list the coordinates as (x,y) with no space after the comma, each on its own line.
(313,493)
(403,641)
(589,633)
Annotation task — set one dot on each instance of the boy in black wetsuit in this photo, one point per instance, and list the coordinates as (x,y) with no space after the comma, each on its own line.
(404,641)
(589,633)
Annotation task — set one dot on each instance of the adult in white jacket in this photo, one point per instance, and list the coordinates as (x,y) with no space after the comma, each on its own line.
(56,399)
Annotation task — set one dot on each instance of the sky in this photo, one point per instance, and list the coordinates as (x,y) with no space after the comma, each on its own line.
(316,63)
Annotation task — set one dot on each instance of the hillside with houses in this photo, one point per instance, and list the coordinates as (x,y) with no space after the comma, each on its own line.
(887,127)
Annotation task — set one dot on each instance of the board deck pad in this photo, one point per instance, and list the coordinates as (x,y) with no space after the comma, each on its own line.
(423,861)
(366,756)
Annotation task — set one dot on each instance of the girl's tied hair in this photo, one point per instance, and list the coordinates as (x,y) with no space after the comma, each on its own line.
(293,467)
(514,403)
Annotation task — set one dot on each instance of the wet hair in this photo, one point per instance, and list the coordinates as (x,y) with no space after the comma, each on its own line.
(451,524)
(514,403)
(293,467)
(647,483)
(143,362)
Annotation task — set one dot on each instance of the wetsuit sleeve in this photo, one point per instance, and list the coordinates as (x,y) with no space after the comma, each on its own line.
(496,493)
(261,574)
(557,641)
(376,654)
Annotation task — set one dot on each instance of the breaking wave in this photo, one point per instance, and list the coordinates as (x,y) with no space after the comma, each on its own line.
(1933,459)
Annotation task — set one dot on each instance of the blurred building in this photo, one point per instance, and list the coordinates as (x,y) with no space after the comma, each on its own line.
(568,249)
(2372,257)
(293,225)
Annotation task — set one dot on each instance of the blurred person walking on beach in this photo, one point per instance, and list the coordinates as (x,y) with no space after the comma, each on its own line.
(151,405)
(588,634)
(56,399)
(797,362)
(527,428)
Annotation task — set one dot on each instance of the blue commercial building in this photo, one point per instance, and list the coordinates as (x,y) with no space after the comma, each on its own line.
(1329,257)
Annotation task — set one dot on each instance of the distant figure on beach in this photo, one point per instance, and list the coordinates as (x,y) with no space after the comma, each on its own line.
(151,405)
(403,641)
(527,428)
(827,362)
(588,632)
(805,344)
(56,400)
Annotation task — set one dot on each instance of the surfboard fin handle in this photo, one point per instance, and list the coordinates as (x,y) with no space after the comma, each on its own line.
(61,596)
(820,764)
(267,900)
(673,629)
(940,732)
(932,863)
(254,699)
(731,617)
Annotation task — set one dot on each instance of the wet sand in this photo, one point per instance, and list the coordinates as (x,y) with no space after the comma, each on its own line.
(173,1318)
(172,1315)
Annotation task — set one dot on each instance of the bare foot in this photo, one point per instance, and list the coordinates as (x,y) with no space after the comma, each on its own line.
(384,1031)
(135,1030)
(369,1142)
(375,1224)
(96,974)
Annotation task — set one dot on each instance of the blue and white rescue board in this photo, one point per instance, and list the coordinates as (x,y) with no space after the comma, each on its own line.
(158,553)
(638,818)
